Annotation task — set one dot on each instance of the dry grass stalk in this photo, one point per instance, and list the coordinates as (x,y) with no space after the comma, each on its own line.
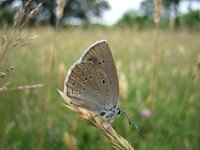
(4,37)
(4,87)
(20,15)
(33,37)
(28,87)
(70,141)
(27,5)
(3,43)
(60,4)
(153,84)
(23,40)
(9,127)
(117,141)
(18,18)
(196,69)
(22,87)
(32,14)
(18,21)
(123,86)
(47,95)
(158,9)
(6,71)
(17,41)
(62,74)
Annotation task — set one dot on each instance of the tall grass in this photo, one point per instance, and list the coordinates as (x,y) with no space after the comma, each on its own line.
(35,119)
(12,39)
(21,118)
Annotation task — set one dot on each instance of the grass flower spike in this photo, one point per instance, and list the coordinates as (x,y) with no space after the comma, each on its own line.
(117,141)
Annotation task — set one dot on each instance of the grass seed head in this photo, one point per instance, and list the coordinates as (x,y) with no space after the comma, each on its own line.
(196,70)
(158,9)
(60,4)
(117,141)
(32,14)
(70,141)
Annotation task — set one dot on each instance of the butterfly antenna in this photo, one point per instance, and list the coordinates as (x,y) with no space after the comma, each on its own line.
(130,120)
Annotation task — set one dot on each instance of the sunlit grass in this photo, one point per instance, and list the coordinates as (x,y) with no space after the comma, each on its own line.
(21,111)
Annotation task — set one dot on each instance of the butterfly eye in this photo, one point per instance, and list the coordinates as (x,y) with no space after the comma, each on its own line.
(119,112)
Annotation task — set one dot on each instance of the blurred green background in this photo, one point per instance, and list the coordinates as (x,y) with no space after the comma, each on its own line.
(42,51)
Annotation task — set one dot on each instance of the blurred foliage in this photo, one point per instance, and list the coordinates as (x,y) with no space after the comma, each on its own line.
(85,10)
(169,7)
(144,18)
(5,16)
(22,110)
(190,20)
(132,20)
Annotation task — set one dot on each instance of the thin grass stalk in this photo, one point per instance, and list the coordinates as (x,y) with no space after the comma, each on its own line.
(196,70)
(116,140)
(5,49)
(10,125)
(19,17)
(177,113)
(60,5)
(49,87)
(18,20)
(153,83)
(47,97)
(32,14)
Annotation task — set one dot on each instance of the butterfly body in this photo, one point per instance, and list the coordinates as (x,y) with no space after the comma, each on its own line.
(92,82)
(110,113)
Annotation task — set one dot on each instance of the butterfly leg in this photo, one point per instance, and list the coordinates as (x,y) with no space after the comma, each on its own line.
(110,119)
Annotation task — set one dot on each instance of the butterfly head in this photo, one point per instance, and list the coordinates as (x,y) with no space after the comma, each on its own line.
(110,113)
(118,112)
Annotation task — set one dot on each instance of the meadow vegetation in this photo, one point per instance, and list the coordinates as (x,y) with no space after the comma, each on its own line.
(34,118)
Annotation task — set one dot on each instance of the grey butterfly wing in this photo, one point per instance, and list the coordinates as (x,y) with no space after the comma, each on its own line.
(87,86)
(100,55)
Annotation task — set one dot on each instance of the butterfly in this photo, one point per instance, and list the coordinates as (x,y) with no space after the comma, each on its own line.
(92,82)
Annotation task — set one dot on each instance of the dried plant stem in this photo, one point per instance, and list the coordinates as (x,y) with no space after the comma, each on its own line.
(48,93)
(47,97)
(21,87)
(117,141)
(32,14)
(196,70)
(19,17)
(5,49)
(153,84)
(60,4)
